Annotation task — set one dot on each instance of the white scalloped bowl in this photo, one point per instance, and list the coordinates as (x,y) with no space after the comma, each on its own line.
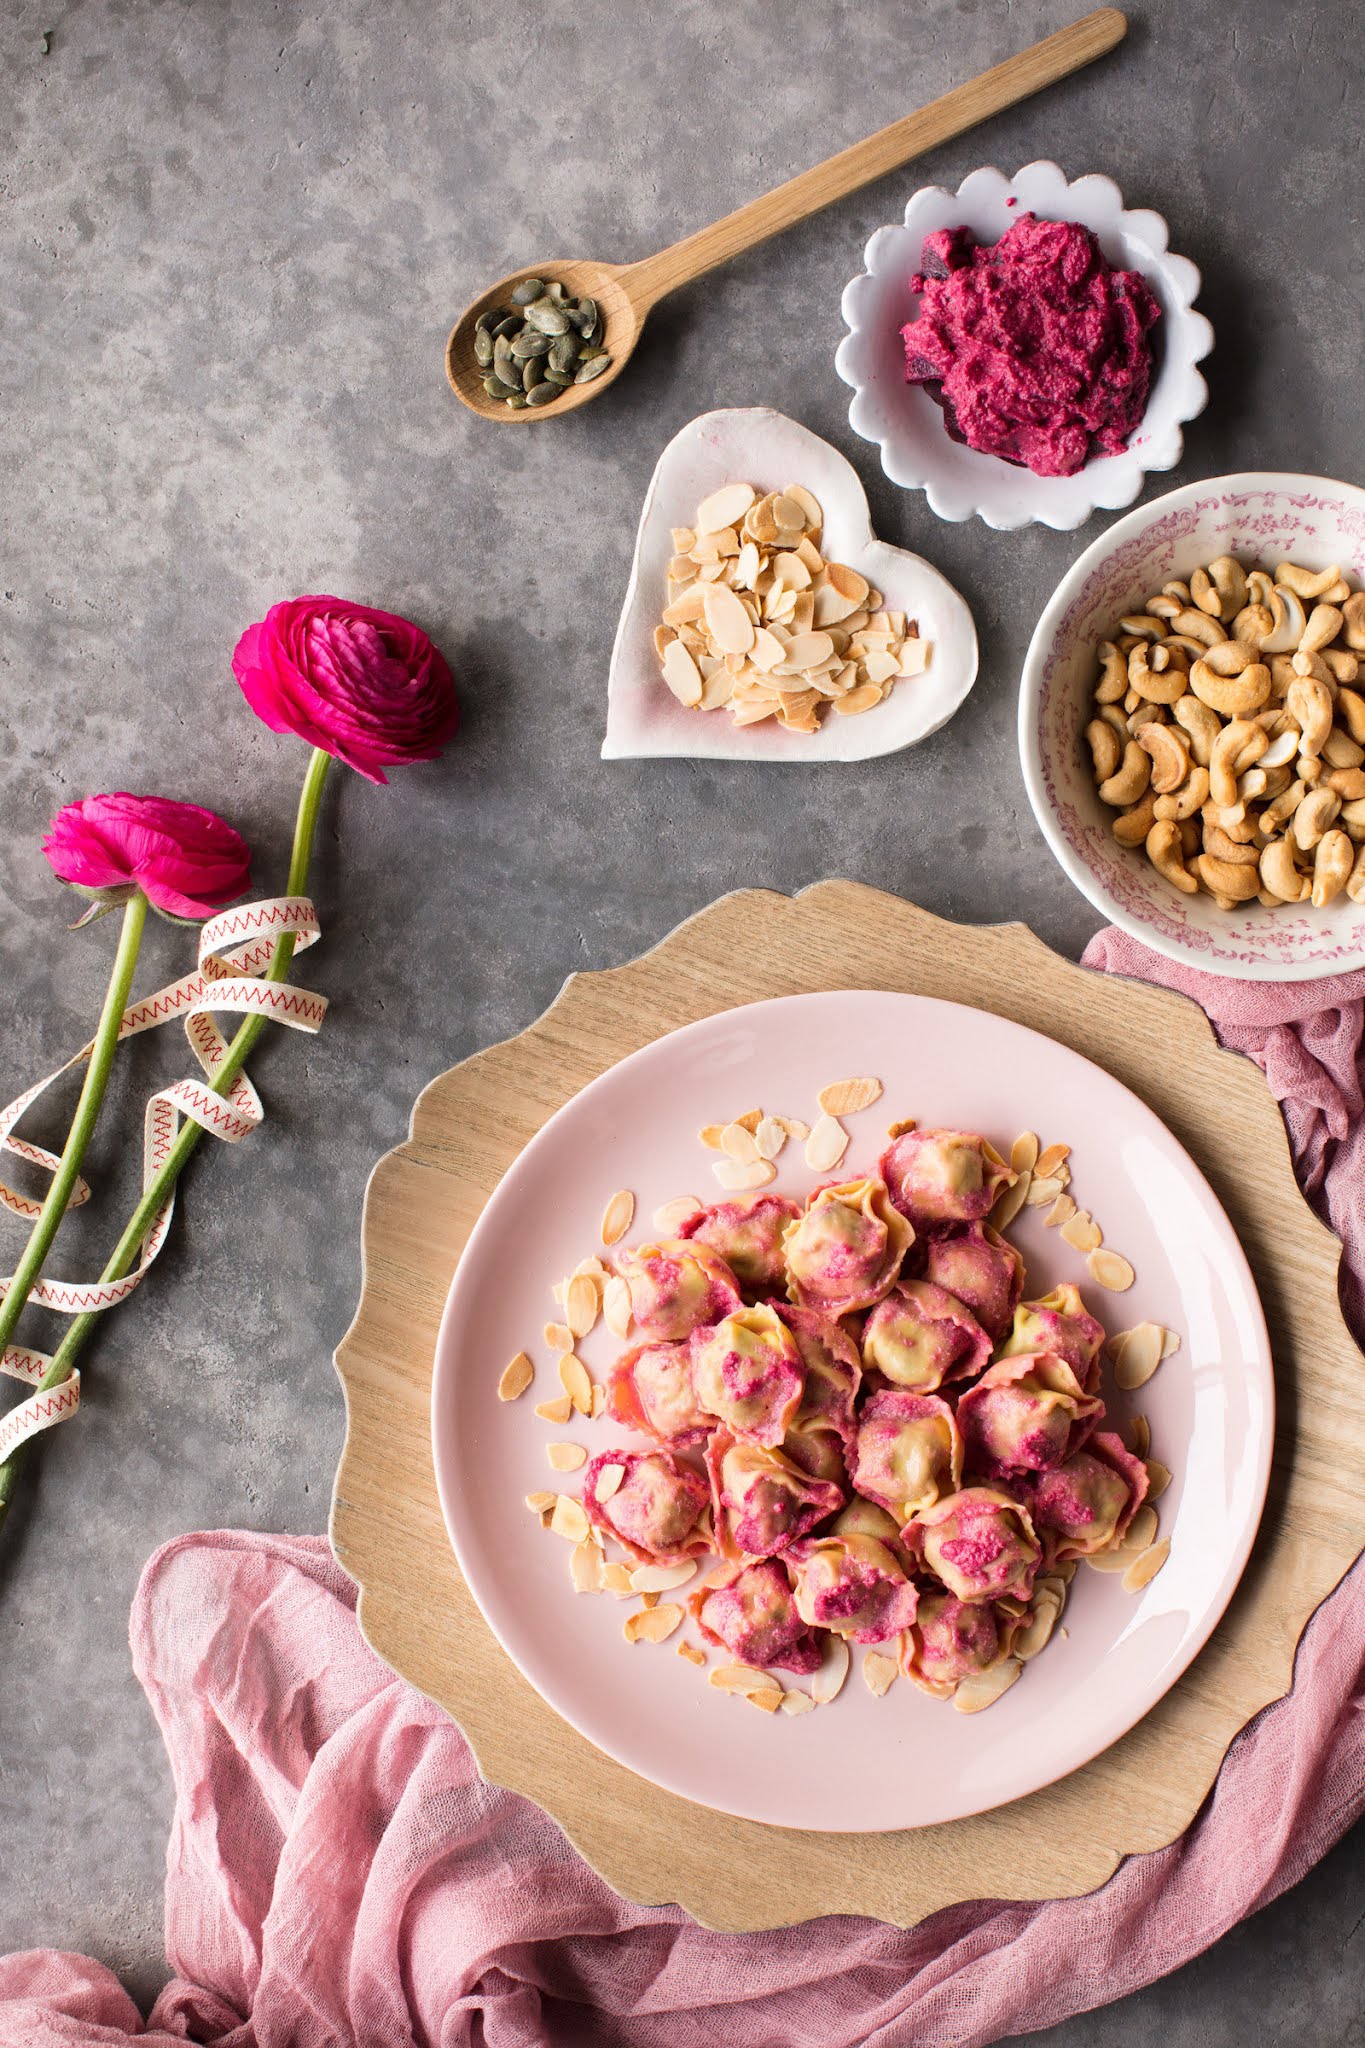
(1262,518)
(903,419)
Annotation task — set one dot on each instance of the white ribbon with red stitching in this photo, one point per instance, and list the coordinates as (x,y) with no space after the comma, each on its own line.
(235,949)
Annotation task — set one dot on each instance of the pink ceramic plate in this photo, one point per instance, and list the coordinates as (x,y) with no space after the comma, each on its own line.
(860,1764)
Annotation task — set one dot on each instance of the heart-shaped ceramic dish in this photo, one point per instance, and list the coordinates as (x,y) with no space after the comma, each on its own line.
(758,446)
(904,420)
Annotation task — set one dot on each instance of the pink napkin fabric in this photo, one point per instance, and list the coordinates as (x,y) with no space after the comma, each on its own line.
(338,1874)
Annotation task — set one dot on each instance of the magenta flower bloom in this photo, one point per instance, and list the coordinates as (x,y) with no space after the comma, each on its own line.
(364,685)
(185,859)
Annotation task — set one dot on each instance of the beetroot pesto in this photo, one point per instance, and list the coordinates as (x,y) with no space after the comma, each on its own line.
(1038,348)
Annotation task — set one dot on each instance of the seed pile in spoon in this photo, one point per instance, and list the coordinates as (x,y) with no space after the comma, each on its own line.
(758,621)
(539,345)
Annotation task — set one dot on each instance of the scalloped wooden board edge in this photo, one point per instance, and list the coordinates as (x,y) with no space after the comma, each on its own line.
(387,1531)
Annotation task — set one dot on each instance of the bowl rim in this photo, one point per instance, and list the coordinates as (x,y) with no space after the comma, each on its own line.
(1128,527)
(1110,484)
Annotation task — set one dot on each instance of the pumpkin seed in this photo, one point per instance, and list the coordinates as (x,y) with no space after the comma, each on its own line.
(559,377)
(509,324)
(547,318)
(516,402)
(495,387)
(532,373)
(528,343)
(546,341)
(542,395)
(591,369)
(483,347)
(564,352)
(530,289)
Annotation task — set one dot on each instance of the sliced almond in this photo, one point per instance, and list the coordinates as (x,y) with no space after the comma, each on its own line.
(847,582)
(608,1481)
(731,1173)
(684,537)
(599,1399)
(727,621)
(573,1377)
(750,1120)
(692,1653)
(879,1673)
(1136,1354)
(1147,1566)
(710,1135)
(618,1216)
(794,1127)
(1024,1152)
(616,1579)
(975,1694)
(662,1578)
(517,1376)
(1158,1478)
(864,698)
(914,656)
(1010,1202)
(1142,1435)
(826,1145)
(558,1410)
(767,650)
(767,1702)
(566,1457)
(738,1142)
(681,673)
(1111,1270)
(743,1678)
(586,1568)
(1140,1531)
(725,507)
(902,1124)
(770,1137)
(1170,1343)
(539,1502)
(1116,1559)
(807,504)
(569,1520)
(653,1624)
(616,1308)
(846,1098)
(558,1336)
(1037,1631)
(581,1304)
(1042,1193)
(828,1680)
(1062,1210)
(1082,1232)
(670,1216)
(797,1702)
(593,1268)
(1053,1157)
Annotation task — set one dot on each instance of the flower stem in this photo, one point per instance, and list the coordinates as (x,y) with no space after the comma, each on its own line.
(139,1223)
(63,1182)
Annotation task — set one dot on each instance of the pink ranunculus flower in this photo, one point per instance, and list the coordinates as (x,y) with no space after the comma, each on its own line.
(361,684)
(185,859)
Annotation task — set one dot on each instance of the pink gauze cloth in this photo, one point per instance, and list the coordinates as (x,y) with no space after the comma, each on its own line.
(339,1874)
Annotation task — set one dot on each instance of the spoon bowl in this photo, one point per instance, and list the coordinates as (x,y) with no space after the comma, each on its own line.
(626,292)
(623,316)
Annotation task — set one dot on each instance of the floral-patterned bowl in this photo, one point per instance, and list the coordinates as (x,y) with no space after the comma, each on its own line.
(1262,519)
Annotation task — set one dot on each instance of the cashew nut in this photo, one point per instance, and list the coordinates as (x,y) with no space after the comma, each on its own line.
(1290,621)
(1344,665)
(1113,674)
(1236,748)
(1318,810)
(1131,827)
(1355,883)
(1351,711)
(1166,853)
(1164,607)
(1143,626)
(1282,746)
(1191,796)
(1197,625)
(1308,768)
(1332,865)
(1281,809)
(1352,817)
(1170,755)
(1306,582)
(1273,781)
(1221,847)
(1202,725)
(1131,779)
(1177,590)
(1159,685)
(1349,783)
(1353,612)
(1253,625)
(1228,658)
(1229,580)
(1231,696)
(1232,819)
(1324,623)
(1280,876)
(1106,749)
(1339,750)
(1310,702)
(1221,878)
(1313,665)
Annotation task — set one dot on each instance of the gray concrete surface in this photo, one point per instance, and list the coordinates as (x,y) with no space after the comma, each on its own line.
(233,237)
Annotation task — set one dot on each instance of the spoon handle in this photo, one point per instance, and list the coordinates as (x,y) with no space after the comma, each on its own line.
(1056,56)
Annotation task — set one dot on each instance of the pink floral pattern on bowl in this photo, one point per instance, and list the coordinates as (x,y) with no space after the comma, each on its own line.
(1261,518)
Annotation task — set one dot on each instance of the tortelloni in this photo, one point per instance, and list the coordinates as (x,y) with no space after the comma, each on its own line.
(981,1268)
(761,1499)
(944,1176)
(651,1389)
(921,1335)
(660,1509)
(979,1542)
(748,1374)
(751,1612)
(822,1428)
(1086,1504)
(854,1586)
(1059,1322)
(677,1287)
(907,1453)
(748,1234)
(1026,1414)
(952,1640)
(844,1253)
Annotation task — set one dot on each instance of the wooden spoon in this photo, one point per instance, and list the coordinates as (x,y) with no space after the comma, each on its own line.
(626,292)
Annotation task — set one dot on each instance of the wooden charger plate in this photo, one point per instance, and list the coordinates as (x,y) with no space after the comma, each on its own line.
(417,1613)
